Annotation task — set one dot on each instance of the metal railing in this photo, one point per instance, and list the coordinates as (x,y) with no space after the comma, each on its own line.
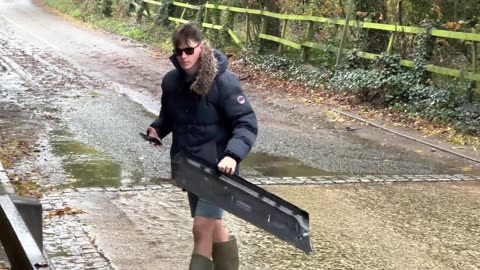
(21,233)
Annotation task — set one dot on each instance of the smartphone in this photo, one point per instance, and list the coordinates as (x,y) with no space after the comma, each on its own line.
(150,139)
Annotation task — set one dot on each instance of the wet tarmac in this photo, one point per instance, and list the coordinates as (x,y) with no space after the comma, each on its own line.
(376,226)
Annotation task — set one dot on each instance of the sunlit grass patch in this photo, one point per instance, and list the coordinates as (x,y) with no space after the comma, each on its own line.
(90,13)
(65,6)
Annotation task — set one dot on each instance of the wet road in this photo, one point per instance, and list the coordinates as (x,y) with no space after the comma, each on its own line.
(54,65)
(376,226)
(80,98)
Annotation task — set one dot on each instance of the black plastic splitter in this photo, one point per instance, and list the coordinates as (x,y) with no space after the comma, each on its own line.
(244,199)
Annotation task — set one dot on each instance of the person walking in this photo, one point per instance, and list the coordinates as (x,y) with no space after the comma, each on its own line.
(204,107)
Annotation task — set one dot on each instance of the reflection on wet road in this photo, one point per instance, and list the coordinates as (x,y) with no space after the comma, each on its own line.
(87,166)
(272,166)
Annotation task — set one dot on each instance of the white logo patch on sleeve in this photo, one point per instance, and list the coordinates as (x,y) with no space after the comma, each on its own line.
(241,99)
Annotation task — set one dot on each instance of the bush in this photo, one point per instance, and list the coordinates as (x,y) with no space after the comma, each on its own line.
(291,70)
(386,83)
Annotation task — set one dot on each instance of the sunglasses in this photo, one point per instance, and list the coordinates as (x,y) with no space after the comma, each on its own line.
(188,51)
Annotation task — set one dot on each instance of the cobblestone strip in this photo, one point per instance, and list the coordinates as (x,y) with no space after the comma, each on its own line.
(67,240)
(315,180)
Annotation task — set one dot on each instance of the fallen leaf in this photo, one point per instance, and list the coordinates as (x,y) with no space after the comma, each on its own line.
(65,211)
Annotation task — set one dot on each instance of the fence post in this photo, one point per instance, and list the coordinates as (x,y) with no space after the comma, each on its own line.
(205,15)
(204,19)
(308,36)
(474,86)
(218,20)
(390,42)
(248,39)
(229,24)
(334,35)
(474,53)
(284,31)
(344,34)
(263,30)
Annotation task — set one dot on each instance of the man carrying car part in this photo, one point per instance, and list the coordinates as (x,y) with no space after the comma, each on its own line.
(204,107)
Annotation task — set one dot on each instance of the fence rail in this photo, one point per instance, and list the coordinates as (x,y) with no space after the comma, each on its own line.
(469,73)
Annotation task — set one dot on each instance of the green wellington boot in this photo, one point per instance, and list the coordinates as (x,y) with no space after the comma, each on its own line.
(198,262)
(225,255)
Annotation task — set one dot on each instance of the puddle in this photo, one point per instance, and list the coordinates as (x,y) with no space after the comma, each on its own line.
(87,166)
(272,166)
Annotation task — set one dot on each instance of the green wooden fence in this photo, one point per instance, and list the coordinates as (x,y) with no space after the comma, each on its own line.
(470,73)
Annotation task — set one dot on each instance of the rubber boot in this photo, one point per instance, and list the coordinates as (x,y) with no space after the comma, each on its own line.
(225,255)
(199,262)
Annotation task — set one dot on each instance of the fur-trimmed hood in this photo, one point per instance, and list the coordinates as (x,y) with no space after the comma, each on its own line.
(212,64)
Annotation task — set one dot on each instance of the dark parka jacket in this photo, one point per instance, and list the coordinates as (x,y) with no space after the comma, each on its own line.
(208,114)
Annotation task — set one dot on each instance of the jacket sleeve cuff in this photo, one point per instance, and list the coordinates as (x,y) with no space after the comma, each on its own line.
(156,125)
(232,155)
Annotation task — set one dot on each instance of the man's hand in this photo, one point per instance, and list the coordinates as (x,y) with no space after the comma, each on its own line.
(151,132)
(227,165)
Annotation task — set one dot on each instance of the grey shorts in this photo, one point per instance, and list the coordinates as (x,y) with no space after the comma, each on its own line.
(202,208)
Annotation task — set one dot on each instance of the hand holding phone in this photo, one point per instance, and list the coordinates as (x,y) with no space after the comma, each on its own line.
(151,139)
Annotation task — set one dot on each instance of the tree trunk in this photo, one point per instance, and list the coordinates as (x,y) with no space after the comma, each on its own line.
(455,11)
(376,11)
(400,12)
(273,24)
